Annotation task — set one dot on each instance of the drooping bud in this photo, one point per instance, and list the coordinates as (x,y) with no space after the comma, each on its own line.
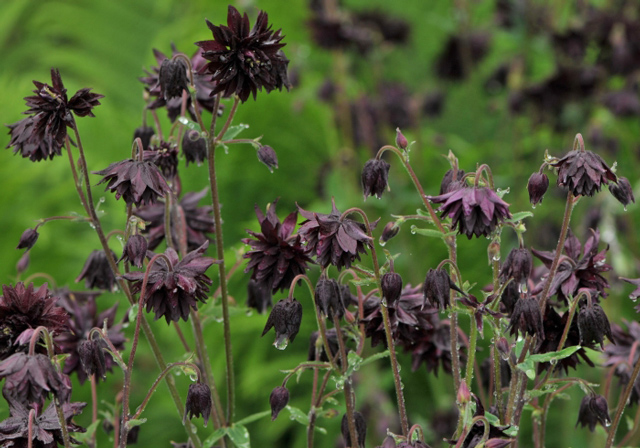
(258,296)
(278,400)
(389,231)
(96,272)
(285,318)
(198,402)
(503,347)
(144,133)
(391,283)
(267,155)
(194,147)
(361,430)
(92,358)
(401,140)
(28,239)
(375,175)
(135,250)
(593,325)
(593,409)
(437,286)
(517,265)
(622,191)
(527,318)
(173,78)
(537,187)
(328,297)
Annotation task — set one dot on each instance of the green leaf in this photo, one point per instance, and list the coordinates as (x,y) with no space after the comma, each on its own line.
(430,232)
(519,216)
(363,281)
(84,437)
(233,131)
(555,356)
(297,415)
(217,435)
(253,417)
(136,422)
(239,435)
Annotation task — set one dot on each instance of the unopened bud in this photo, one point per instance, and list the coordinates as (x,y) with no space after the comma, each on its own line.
(278,400)
(268,156)
(389,231)
(622,191)
(537,187)
(401,140)
(464,395)
(391,283)
(173,78)
(503,347)
(28,239)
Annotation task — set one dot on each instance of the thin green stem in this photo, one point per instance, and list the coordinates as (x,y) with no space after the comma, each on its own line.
(473,338)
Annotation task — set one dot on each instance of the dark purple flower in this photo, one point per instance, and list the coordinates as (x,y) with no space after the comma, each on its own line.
(583,172)
(582,267)
(173,78)
(473,210)
(391,229)
(328,297)
(276,254)
(278,400)
(375,176)
(194,147)
(624,354)
(437,288)
(198,402)
(30,378)
(135,250)
(139,183)
(333,240)
(199,220)
(636,292)
(268,157)
(165,157)
(480,309)
(622,191)
(41,135)
(391,284)
(361,430)
(175,287)
(593,325)
(517,266)
(450,63)
(259,296)
(449,183)
(433,348)
(47,433)
(527,318)
(331,33)
(285,319)
(83,317)
(243,60)
(22,310)
(537,187)
(28,239)
(593,409)
(97,272)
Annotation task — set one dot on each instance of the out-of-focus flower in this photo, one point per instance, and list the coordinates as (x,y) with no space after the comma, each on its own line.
(361,430)
(28,239)
(624,355)
(258,296)
(243,60)
(375,175)
(97,272)
(622,191)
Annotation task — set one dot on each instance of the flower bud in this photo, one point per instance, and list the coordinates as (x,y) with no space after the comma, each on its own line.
(391,283)
(92,358)
(285,318)
(401,140)
(527,318)
(622,191)
(328,297)
(278,400)
(173,78)
(448,183)
(135,250)
(23,263)
(268,156)
(518,266)
(537,187)
(375,175)
(258,296)
(437,286)
(503,347)
(361,430)
(194,147)
(198,402)
(389,231)
(28,239)
(593,325)
(593,409)
(464,395)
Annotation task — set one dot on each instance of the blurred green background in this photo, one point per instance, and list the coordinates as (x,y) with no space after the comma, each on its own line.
(106,44)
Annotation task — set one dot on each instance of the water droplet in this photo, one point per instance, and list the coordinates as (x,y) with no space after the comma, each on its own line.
(496,257)
(193,376)
(607,423)
(553,361)
(534,205)
(625,209)
(281,343)
(382,243)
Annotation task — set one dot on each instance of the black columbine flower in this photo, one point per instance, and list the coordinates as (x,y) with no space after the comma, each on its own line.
(583,172)
(22,310)
(30,378)
(267,155)
(135,250)
(622,191)
(259,296)
(139,183)
(285,318)
(41,135)
(624,354)
(173,78)
(375,175)
(96,271)
(328,297)
(199,220)
(449,183)
(517,266)
(46,430)
(194,147)
(361,430)
(87,356)
(437,286)
(593,325)
(243,60)
(473,210)
(198,402)
(203,85)
(527,318)
(165,157)
(28,239)
(144,133)
(537,187)
(333,240)
(276,254)
(278,400)
(582,267)
(175,287)
(391,284)
(593,409)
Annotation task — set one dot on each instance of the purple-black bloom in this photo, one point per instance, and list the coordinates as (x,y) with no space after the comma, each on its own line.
(278,400)
(593,409)
(527,318)
(285,319)
(537,187)
(97,272)
(258,296)
(593,324)
(517,266)
(583,172)
(30,378)
(437,286)
(175,286)
(243,60)
(375,175)
(135,250)
(173,78)
(28,239)
(267,155)
(622,191)
(139,183)
(165,157)
(361,430)
(194,147)
(198,402)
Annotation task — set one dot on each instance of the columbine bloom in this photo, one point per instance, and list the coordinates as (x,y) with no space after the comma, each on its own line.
(593,409)
(437,286)
(173,78)
(473,210)
(244,60)
(30,378)
(194,147)
(583,172)
(174,288)
(135,250)
(527,318)
(267,155)
(97,272)
(622,191)
(517,265)
(333,240)
(593,325)
(285,318)
(537,187)
(328,297)
(276,254)
(22,310)
(198,220)
(165,157)
(198,402)
(139,183)
(259,296)
(41,135)
(375,175)
(28,239)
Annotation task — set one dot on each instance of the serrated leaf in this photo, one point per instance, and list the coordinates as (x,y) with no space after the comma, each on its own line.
(239,435)
(233,131)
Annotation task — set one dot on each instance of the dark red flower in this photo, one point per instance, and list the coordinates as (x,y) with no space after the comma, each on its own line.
(198,402)
(175,288)
(375,174)
(244,60)
(22,310)
(583,172)
(199,220)
(537,187)
(30,379)
(139,183)
(333,240)
(41,135)
(97,272)
(173,78)
(593,325)
(473,210)
(593,409)
(526,317)
(517,266)
(276,254)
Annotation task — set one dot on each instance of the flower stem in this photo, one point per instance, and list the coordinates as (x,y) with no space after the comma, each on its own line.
(622,404)
(348,393)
